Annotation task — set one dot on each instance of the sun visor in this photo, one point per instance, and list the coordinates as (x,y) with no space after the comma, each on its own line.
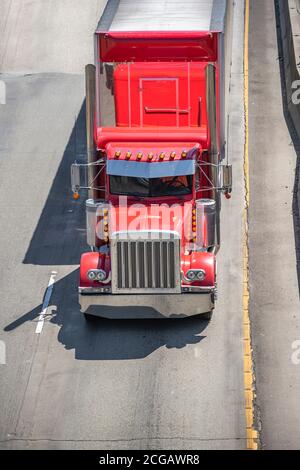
(150,170)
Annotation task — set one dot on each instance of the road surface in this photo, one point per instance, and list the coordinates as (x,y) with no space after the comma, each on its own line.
(116,384)
(274,294)
(129,384)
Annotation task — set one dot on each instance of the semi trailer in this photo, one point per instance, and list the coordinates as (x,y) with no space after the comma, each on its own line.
(157,158)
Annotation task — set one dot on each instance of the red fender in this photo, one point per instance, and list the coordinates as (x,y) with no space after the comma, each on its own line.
(201,260)
(92,260)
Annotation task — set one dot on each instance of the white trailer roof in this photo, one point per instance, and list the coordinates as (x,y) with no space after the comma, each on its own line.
(163,15)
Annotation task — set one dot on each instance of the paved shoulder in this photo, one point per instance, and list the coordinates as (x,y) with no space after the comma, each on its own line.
(273,275)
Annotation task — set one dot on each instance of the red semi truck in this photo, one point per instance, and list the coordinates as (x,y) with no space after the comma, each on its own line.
(156,113)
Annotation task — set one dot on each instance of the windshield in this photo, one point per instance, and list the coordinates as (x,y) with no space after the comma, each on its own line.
(151,187)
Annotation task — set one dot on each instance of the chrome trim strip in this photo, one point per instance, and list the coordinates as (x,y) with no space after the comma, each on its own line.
(94,290)
(198,289)
(184,290)
(152,169)
(146,235)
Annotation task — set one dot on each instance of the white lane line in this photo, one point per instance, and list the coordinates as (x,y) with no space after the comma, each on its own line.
(47,298)
(197,352)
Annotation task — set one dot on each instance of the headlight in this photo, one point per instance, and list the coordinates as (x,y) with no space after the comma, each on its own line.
(91,275)
(201,274)
(101,275)
(195,275)
(96,275)
(191,275)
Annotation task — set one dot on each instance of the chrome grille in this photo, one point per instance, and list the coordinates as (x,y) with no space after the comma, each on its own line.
(145,265)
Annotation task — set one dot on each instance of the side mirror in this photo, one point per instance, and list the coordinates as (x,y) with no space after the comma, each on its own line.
(78,176)
(81,177)
(226,178)
(75,177)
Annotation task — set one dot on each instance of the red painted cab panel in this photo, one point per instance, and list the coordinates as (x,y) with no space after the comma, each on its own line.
(151,94)
(153,45)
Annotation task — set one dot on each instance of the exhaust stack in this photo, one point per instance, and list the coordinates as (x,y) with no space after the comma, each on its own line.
(211,104)
(90,90)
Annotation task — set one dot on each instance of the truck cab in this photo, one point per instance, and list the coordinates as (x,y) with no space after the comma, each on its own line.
(154,174)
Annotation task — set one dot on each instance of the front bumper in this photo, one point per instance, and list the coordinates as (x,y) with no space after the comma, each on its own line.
(147,305)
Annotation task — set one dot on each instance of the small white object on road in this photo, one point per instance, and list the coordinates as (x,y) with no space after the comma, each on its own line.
(47,298)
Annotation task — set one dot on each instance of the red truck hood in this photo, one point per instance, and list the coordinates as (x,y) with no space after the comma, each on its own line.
(152,218)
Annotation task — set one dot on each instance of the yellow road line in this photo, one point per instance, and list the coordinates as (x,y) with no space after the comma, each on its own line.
(252,434)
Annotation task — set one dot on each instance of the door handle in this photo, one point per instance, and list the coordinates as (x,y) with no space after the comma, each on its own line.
(166,110)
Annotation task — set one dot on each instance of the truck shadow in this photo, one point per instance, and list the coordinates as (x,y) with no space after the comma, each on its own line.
(59,237)
(110,339)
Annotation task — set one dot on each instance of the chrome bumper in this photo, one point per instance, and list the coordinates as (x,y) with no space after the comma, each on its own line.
(147,306)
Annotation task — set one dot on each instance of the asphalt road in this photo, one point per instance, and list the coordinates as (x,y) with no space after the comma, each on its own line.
(129,384)
(274,294)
